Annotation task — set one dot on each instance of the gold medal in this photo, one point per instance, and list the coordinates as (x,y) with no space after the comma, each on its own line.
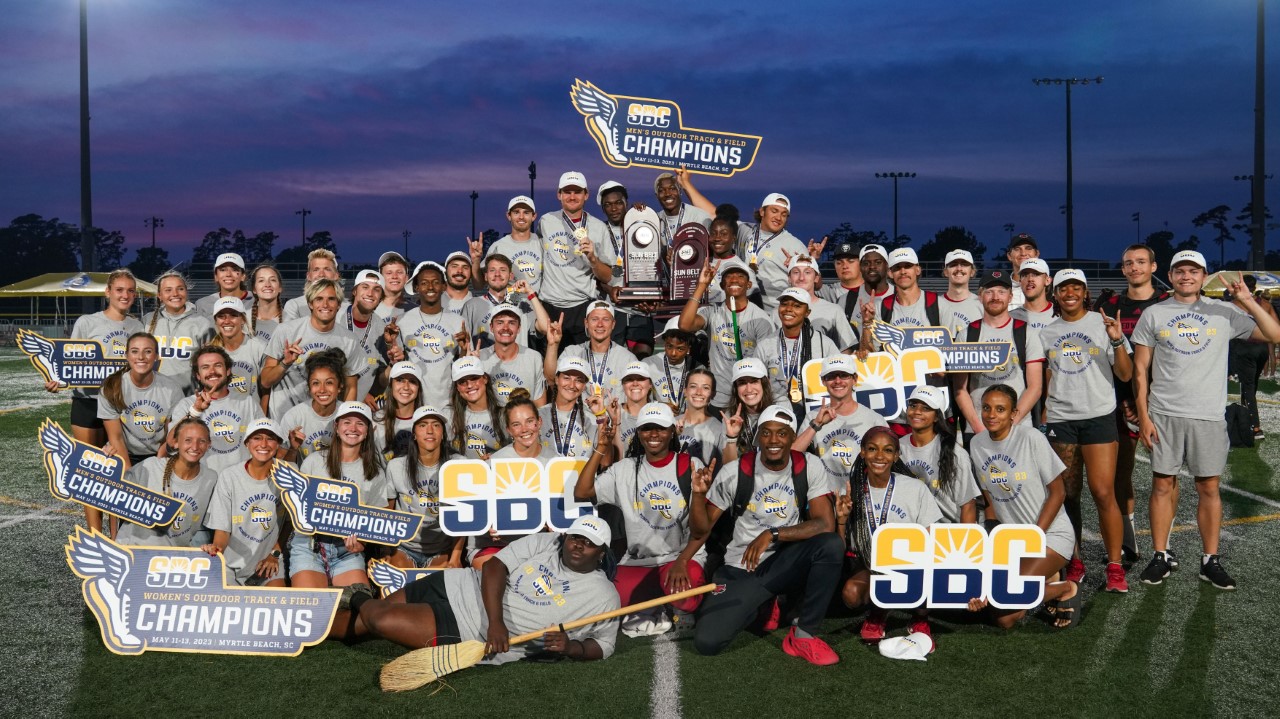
(795,391)
(752,259)
(618,262)
(580,233)
(598,390)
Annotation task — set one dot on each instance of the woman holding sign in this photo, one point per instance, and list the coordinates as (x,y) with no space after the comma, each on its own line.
(245,512)
(416,479)
(1021,478)
(323,560)
(881,490)
(182,477)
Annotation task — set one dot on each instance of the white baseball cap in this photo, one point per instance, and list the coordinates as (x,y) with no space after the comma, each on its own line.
(930,396)
(465,367)
(749,367)
(637,369)
(673,325)
(1069,275)
(503,308)
(734,264)
(228,303)
(778,199)
(521,200)
(610,185)
(592,528)
(878,249)
(903,256)
(1035,264)
(572,179)
(371,276)
(658,413)
(424,265)
(801,260)
(1188,256)
(777,413)
(405,368)
(427,410)
(573,364)
(229,258)
(598,305)
(457,255)
(958,256)
(351,407)
(915,645)
(839,363)
(386,257)
(794,293)
(265,424)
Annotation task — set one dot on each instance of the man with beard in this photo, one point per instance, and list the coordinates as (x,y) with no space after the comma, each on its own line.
(283,372)
(959,305)
(849,274)
(873,263)
(429,336)
(509,364)
(519,246)
(576,253)
(499,289)
(606,359)
(734,327)
(362,321)
(1034,279)
(457,273)
(394,269)
(227,413)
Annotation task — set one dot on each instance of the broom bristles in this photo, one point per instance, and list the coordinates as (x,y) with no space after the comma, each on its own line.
(423,666)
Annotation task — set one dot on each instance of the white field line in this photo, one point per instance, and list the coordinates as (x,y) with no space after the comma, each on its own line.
(37,515)
(664,701)
(1225,487)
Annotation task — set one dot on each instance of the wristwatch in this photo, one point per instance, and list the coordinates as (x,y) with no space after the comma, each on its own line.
(813,424)
(773,531)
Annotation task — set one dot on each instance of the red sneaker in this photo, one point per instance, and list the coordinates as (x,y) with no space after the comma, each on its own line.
(812,650)
(873,626)
(772,616)
(1075,570)
(1115,579)
(922,626)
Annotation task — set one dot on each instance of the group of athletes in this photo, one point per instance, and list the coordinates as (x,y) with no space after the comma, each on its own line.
(703,459)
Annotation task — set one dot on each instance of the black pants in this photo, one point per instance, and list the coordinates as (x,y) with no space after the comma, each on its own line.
(575,328)
(1248,360)
(812,566)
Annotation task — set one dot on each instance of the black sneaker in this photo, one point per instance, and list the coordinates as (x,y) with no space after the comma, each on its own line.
(1258,433)
(1157,570)
(1172,559)
(1212,572)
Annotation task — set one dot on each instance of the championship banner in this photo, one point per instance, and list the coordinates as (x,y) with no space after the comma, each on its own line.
(82,473)
(171,599)
(644,132)
(70,363)
(885,380)
(319,505)
(391,579)
(945,565)
(958,356)
(513,496)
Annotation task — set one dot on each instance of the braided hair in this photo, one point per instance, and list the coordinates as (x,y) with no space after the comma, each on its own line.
(857,531)
(155,316)
(167,482)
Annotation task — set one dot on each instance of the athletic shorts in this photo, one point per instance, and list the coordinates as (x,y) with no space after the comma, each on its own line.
(1061,537)
(430,591)
(321,555)
(84,413)
(1201,444)
(640,329)
(1098,430)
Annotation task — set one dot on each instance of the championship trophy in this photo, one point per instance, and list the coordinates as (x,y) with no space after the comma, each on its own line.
(652,272)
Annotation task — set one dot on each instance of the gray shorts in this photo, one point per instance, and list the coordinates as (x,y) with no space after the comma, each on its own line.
(1201,444)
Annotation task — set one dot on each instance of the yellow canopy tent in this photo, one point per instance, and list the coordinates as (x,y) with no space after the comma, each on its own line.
(1218,282)
(61,285)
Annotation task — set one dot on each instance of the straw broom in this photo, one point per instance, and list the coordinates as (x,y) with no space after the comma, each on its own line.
(423,666)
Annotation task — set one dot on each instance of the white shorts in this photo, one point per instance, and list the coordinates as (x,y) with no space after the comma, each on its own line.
(1201,444)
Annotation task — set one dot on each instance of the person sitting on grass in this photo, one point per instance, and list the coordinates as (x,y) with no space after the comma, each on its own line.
(539,581)
(1021,477)
(881,490)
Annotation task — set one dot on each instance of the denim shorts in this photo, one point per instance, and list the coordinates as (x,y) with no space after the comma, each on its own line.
(420,560)
(328,557)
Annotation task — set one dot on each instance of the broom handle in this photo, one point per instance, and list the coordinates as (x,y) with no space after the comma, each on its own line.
(615,613)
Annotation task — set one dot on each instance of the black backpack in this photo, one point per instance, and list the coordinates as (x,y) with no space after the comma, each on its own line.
(722,533)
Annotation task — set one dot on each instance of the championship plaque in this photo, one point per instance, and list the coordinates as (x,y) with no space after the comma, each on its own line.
(641,251)
(690,247)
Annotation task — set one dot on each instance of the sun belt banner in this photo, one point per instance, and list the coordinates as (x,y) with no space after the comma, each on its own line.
(645,132)
(172,599)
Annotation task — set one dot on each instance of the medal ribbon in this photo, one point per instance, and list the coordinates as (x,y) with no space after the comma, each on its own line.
(563,443)
(884,510)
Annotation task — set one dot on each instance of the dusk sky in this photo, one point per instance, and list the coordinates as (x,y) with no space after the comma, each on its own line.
(380,117)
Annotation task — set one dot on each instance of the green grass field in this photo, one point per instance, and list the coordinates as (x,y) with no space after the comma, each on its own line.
(1180,649)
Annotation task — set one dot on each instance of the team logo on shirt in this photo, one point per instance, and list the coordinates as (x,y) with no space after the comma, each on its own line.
(1001,472)
(560,248)
(1073,352)
(645,132)
(772,503)
(663,498)
(525,265)
(175,600)
(261,517)
(143,420)
(1191,331)
(845,451)
(224,427)
(946,565)
(239,384)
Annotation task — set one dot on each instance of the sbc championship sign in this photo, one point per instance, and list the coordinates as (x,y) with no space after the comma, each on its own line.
(509,496)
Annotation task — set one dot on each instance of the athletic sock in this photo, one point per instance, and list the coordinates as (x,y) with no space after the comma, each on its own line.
(1130,534)
(1204,558)
(802,634)
(356,601)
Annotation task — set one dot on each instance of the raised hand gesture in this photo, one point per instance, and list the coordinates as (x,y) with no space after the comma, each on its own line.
(826,412)
(868,313)
(555,331)
(463,338)
(202,401)
(476,247)
(700,483)
(708,273)
(292,351)
(816,248)
(1113,327)
(391,332)
(844,504)
(733,424)
(521,287)
(596,403)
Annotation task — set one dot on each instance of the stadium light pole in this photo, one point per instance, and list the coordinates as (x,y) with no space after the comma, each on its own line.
(895,176)
(1258,201)
(303,212)
(1137,219)
(87,259)
(1008,227)
(406,235)
(533,175)
(474,196)
(1067,82)
(153,222)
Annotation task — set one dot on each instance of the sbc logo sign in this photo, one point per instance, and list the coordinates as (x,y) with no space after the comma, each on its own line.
(513,496)
(944,566)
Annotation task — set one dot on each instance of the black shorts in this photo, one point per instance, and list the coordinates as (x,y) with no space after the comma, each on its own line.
(854,563)
(640,329)
(575,330)
(84,412)
(430,591)
(1098,430)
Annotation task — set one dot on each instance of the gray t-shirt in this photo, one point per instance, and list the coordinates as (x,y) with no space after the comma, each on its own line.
(773,503)
(606,369)
(292,388)
(455,304)
(754,327)
(477,308)
(668,384)
(145,414)
(580,441)
(481,436)
(375,491)
(910,503)
(685,214)
(525,256)
(865,296)
(421,498)
(784,358)
(705,440)
(179,336)
(1079,357)
(368,337)
(525,370)
(831,321)
(263,329)
(1036,321)
(112,334)
(428,343)
(957,314)
(248,510)
(193,493)
(541,592)
(654,510)
(835,293)
(766,250)
(317,430)
(227,418)
(567,279)
(1012,372)
(246,363)
(1015,472)
(840,440)
(923,462)
(1189,354)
